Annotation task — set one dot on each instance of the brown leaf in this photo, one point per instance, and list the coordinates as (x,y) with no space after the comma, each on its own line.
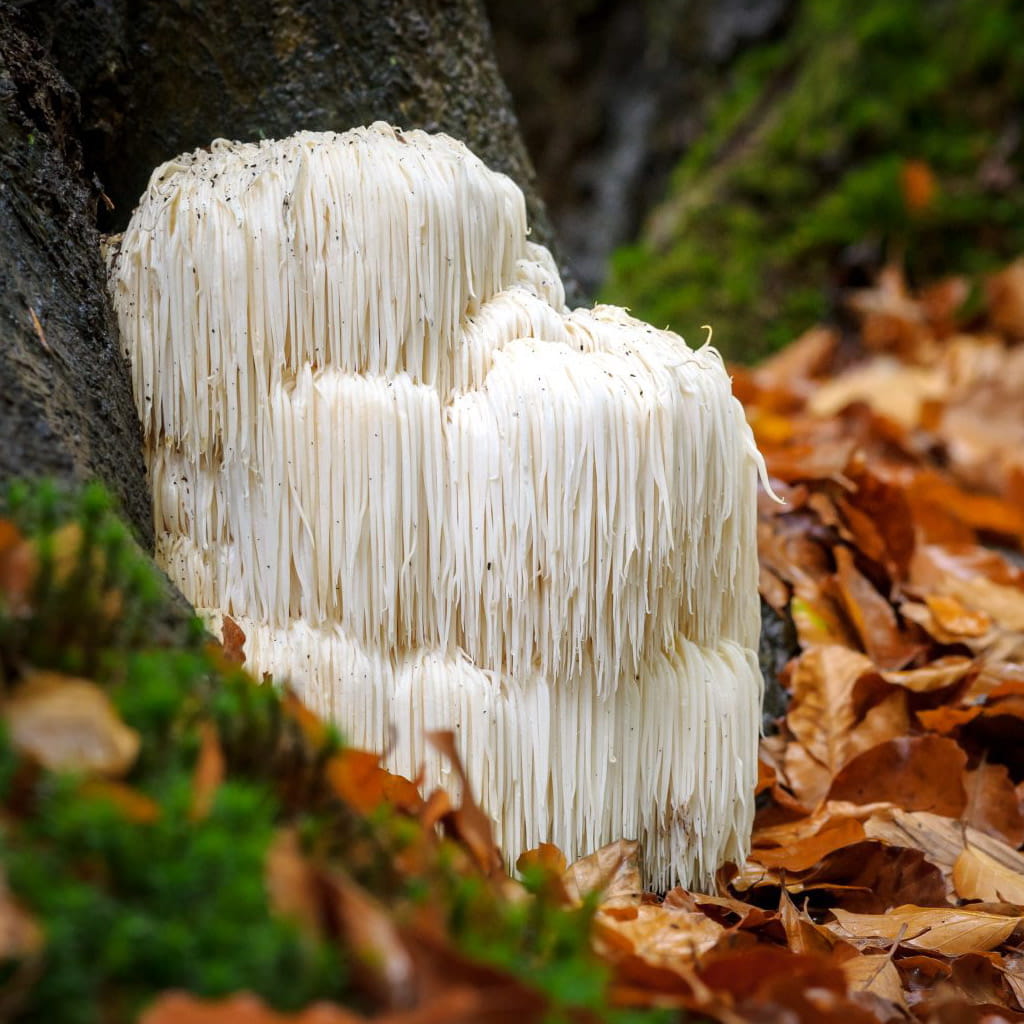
(920,773)
(469,821)
(18,567)
(806,852)
(875,973)
(69,724)
(918,184)
(181,1008)
(942,930)
(381,962)
(357,778)
(1005,294)
(232,640)
(135,806)
(659,934)
(208,773)
(292,887)
(954,619)
(613,871)
(936,675)
(992,804)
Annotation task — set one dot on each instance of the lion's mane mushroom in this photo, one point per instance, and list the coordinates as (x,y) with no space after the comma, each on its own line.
(434,497)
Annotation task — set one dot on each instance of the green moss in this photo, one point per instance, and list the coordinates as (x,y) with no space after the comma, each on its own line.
(133,903)
(803,156)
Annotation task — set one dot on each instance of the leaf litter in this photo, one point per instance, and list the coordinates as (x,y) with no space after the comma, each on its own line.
(885,880)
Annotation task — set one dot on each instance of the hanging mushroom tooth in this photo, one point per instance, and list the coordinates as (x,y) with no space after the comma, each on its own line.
(434,497)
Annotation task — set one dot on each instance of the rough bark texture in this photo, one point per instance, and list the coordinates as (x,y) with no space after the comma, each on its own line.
(160,77)
(66,408)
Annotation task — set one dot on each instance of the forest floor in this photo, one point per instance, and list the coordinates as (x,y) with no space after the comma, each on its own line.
(141,790)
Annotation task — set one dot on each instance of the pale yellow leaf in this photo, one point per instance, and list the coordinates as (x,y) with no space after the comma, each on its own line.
(940,929)
(977,876)
(69,724)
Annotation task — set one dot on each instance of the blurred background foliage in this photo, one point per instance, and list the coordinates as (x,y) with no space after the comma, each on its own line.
(745,162)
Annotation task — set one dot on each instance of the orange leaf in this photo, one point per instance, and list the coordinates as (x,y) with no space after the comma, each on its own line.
(918,184)
(135,806)
(807,852)
(357,777)
(233,640)
(209,771)
(469,822)
(180,1008)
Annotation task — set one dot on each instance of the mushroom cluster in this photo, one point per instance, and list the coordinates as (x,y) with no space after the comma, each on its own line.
(433,497)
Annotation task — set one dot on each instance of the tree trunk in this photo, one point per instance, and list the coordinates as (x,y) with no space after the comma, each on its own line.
(156,78)
(66,407)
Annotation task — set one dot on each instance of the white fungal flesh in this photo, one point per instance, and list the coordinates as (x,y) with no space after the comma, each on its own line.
(433,497)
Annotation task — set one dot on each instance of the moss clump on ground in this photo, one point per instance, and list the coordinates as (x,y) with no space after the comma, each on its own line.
(154,871)
(807,154)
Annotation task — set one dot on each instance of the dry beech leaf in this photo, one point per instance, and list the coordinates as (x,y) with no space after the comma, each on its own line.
(807,851)
(956,620)
(874,973)
(357,777)
(920,773)
(948,931)
(936,675)
(993,805)
(69,724)
(659,934)
(469,821)
(977,876)
(613,871)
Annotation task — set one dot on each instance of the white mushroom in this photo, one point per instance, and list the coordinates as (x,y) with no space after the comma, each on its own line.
(434,497)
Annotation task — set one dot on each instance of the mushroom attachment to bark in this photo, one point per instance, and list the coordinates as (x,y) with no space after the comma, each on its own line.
(433,497)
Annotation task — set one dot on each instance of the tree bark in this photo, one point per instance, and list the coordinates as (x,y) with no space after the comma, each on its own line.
(161,77)
(101,92)
(66,407)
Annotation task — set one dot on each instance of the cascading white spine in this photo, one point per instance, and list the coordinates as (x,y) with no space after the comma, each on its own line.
(433,496)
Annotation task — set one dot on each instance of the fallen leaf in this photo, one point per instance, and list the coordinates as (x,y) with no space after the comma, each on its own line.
(992,804)
(942,930)
(135,806)
(659,934)
(806,852)
(232,640)
(920,773)
(69,724)
(208,773)
(956,620)
(977,876)
(356,776)
(875,973)
(181,1008)
(292,887)
(613,871)
(936,675)
(382,965)
(469,821)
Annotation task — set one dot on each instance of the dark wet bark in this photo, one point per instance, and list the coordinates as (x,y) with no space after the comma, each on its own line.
(160,77)
(66,409)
